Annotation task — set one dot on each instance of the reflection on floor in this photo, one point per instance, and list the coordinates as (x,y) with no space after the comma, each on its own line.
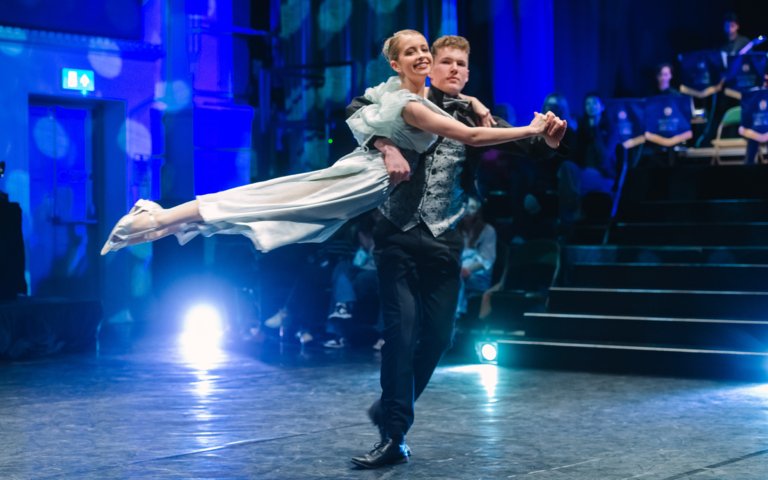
(151,410)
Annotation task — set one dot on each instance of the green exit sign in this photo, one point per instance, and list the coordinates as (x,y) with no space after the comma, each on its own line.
(74,79)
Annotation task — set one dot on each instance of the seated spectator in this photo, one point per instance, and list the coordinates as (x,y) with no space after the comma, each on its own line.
(664,80)
(595,168)
(310,267)
(753,147)
(557,104)
(355,291)
(478,255)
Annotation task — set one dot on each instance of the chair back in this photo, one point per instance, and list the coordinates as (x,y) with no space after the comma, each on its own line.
(732,116)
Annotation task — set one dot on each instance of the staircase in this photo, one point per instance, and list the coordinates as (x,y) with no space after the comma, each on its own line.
(680,286)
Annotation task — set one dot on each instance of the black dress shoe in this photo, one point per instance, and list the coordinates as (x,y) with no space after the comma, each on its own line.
(376,414)
(391,452)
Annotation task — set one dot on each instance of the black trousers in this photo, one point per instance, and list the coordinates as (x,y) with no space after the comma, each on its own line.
(419,278)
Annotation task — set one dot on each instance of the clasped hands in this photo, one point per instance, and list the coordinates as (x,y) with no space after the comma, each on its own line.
(550,127)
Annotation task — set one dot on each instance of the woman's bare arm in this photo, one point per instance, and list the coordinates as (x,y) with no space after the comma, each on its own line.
(483,113)
(423,118)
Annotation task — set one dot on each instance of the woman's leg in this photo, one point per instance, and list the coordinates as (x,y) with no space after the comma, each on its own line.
(148,221)
(188,212)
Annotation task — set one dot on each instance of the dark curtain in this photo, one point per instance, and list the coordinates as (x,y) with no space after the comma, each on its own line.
(613,47)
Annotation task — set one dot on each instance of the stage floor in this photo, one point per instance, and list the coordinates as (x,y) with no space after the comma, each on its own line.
(150,411)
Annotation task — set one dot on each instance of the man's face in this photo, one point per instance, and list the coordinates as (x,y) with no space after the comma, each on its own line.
(731,29)
(451,70)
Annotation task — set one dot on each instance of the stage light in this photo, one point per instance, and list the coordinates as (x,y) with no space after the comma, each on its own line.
(50,137)
(292,16)
(386,6)
(334,15)
(488,352)
(201,336)
(135,137)
(104,57)
(203,322)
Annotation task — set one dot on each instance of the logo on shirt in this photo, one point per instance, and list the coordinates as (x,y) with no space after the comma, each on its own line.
(622,114)
(745,67)
(667,111)
(763,104)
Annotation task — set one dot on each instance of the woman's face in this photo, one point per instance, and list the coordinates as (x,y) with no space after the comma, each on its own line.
(664,77)
(414,60)
(593,107)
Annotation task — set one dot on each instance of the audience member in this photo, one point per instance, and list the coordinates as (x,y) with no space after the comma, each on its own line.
(752,145)
(735,41)
(478,254)
(664,80)
(355,293)
(312,266)
(595,168)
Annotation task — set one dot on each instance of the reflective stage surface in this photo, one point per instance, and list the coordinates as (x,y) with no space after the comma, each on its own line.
(154,411)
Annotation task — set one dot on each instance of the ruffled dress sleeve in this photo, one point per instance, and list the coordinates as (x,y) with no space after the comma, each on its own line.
(383,117)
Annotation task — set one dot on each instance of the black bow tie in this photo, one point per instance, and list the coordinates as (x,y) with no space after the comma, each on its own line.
(451,105)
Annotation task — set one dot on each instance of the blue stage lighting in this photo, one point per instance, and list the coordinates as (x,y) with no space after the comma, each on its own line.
(203,322)
(201,336)
(488,352)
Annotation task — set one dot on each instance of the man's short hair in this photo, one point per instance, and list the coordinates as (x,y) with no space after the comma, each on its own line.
(452,41)
(731,17)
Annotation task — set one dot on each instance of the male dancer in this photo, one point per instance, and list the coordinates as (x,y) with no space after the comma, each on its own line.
(418,253)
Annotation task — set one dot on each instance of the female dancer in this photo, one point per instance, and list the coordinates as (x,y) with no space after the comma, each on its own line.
(310,207)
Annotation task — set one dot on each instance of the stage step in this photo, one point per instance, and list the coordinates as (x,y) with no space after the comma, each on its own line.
(724,233)
(734,210)
(739,305)
(597,254)
(728,334)
(680,276)
(586,234)
(696,183)
(633,358)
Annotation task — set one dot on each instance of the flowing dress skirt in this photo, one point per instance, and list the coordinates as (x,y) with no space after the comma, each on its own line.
(301,208)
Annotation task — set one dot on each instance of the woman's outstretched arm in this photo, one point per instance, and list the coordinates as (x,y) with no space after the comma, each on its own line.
(422,117)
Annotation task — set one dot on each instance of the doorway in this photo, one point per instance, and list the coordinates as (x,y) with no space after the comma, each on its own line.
(62,245)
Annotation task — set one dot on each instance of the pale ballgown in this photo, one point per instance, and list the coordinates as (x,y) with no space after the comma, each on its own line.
(310,207)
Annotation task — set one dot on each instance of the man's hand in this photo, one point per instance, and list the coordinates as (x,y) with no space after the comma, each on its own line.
(397,166)
(485,119)
(541,122)
(555,132)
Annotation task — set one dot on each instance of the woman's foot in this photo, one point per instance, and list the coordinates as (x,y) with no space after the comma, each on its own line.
(138,226)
